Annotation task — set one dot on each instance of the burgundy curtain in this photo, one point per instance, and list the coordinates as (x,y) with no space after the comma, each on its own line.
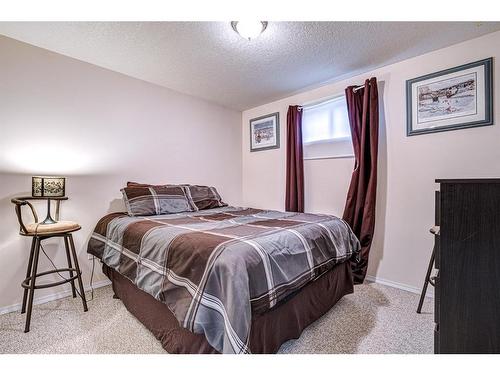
(294,200)
(359,212)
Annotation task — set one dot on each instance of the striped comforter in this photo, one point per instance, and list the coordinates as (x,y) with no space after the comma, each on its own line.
(214,268)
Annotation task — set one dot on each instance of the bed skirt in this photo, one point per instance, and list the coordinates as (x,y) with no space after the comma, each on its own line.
(269,330)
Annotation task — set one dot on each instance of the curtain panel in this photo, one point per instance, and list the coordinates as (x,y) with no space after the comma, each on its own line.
(294,199)
(359,211)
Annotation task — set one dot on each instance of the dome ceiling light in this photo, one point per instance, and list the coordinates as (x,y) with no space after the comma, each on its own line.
(249,29)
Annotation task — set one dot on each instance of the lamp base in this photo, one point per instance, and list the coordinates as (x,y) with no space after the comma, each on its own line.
(48,219)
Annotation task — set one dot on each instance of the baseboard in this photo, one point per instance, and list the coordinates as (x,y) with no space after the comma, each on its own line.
(52,297)
(408,288)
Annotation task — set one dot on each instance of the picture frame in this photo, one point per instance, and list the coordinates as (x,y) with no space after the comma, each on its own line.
(265,132)
(451,99)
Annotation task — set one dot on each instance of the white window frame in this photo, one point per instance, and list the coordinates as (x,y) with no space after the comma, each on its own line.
(320,102)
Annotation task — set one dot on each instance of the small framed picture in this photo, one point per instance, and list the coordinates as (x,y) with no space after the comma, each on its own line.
(265,132)
(456,98)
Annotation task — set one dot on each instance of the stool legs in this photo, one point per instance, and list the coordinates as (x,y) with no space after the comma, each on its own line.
(32,283)
(68,257)
(31,274)
(427,280)
(78,272)
(28,274)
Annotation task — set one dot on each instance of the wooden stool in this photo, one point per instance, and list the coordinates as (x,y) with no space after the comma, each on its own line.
(40,232)
(428,279)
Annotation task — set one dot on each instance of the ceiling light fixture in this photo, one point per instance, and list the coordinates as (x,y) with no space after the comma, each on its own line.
(249,29)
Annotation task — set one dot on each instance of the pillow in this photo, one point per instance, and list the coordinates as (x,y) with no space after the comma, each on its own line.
(201,197)
(204,197)
(142,200)
(132,183)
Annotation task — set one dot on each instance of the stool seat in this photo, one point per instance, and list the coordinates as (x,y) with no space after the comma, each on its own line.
(47,229)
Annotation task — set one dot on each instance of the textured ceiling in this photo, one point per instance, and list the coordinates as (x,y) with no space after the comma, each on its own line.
(209,60)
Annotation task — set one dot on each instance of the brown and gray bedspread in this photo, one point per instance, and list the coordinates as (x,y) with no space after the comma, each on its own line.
(214,268)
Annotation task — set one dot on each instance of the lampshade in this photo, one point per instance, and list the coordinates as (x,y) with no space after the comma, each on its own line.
(48,186)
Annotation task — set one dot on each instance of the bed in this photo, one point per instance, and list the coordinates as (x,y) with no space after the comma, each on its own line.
(227,279)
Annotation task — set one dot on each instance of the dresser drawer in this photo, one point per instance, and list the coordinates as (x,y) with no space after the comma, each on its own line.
(467,297)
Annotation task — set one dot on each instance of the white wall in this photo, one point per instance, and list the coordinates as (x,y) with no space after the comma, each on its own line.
(99,129)
(408,166)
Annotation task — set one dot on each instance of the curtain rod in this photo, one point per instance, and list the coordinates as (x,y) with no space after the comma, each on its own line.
(321,101)
(314,103)
(359,87)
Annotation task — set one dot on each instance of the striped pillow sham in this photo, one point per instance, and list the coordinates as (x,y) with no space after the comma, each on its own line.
(204,197)
(201,197)
(144,200)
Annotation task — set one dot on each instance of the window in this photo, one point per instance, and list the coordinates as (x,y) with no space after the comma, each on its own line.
(325,130)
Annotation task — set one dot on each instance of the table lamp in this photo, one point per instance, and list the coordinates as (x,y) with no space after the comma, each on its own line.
(48,187)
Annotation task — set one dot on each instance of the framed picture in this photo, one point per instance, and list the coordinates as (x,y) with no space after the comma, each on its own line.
(456,98)
(265,132)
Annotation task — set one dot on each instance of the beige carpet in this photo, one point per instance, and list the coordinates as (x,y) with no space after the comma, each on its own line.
(375,319)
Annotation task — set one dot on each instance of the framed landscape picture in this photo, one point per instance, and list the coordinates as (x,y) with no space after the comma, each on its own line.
(265,132)
(456,98)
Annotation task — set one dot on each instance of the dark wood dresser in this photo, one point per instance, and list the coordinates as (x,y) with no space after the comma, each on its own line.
(467,290)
